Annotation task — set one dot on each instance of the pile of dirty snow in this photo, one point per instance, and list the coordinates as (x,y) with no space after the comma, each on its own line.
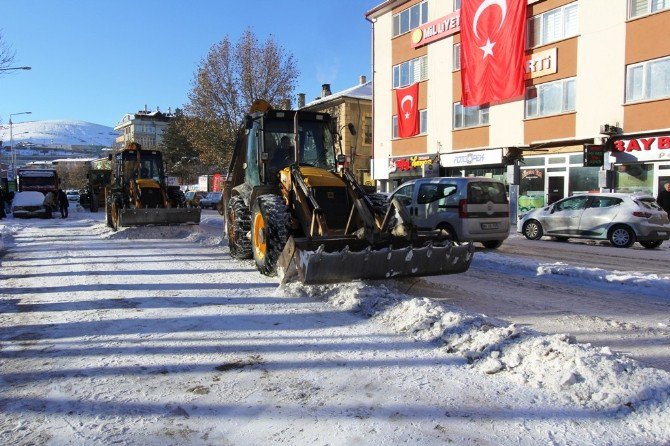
(192,233)
(591,377)
(504,263)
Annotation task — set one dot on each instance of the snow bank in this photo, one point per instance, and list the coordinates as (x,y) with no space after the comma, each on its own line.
(591,377)
(191,233)
(531,267)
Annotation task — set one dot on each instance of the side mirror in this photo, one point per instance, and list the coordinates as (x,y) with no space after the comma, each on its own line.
(248,122)
(352,129)
(109,157)
(341,159)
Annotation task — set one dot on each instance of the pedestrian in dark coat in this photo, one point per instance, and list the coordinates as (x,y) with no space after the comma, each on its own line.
(63,203)
(663,198)
(2,204)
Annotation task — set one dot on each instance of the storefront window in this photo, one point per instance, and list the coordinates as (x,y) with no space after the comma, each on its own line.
(496,173)
(631,178)
(583,179)
(534,161)
(531,190)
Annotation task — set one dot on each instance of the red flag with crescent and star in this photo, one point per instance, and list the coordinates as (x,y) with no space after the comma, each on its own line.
(408,110)
(493,36)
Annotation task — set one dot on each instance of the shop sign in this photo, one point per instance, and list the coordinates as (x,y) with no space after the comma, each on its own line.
(437,29)
(476,158)
(412,166)
(594,155)
(541,64)
(641,149)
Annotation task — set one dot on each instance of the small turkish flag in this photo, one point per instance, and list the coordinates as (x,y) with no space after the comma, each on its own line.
(493,36)
(408,110)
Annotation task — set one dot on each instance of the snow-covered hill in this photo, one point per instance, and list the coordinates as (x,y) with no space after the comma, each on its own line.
(59,133)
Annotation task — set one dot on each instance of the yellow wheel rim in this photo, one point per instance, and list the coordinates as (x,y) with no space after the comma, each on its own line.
(259,236)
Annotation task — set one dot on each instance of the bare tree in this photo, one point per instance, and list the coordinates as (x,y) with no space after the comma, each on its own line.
(228,80)
(73,176)
(6,53)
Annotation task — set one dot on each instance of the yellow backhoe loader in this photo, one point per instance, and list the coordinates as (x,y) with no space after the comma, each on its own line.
(292,206)
(138,195)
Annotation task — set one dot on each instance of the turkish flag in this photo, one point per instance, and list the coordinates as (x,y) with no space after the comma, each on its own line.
(408,110)
(493,37)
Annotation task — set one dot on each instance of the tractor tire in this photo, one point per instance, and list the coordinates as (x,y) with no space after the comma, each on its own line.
(238,226)
(270,230)
(380,205)
(115,209)
(94,203)
(176,198)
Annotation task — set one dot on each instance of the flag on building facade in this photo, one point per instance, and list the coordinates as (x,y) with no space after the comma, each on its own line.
(493,37)
(407,100)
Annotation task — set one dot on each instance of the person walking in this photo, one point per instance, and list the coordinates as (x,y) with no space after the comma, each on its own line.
(2,204)
(63,203)
(663,198)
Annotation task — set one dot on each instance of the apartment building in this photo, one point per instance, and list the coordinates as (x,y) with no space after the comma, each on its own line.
(598,73)
(145,127)
(350,106)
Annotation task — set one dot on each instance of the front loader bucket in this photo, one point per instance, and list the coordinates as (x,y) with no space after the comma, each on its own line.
(301,261)
(159,216)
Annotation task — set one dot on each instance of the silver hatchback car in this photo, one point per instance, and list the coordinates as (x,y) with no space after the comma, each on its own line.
(622,219)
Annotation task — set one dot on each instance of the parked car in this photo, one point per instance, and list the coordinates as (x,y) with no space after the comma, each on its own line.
(211,200)
(620,218)
(72,196)
(193,198)
(29,204)
(468,208)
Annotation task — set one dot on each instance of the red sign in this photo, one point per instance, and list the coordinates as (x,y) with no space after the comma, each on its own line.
(640,144)
(408,110)
(437,29)
(493,37)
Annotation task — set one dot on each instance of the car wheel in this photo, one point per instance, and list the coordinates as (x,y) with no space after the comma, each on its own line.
(621,236)
(532,229)
(651,244)
(451,234)
(492,244)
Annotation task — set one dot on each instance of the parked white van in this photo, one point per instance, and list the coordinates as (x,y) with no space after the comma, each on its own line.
(469,208)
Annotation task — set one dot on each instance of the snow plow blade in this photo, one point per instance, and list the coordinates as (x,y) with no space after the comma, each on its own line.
(159,216)
(338,260)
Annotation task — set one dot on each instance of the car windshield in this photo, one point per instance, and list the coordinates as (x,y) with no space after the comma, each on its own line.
(214,195)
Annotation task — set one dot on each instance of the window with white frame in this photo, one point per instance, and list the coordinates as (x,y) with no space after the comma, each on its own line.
(648,80)
(410,18)
(465,117)
(638,8)
(457,56)
(409,72)
(423,124)
(550,26)
(550,98)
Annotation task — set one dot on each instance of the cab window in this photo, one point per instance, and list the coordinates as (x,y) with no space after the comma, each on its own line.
(604,202)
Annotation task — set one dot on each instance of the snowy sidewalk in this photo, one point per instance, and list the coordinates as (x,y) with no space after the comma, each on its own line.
(156,336)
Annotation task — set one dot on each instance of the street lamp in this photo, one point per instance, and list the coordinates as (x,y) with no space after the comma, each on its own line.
(11,141)
(16,68)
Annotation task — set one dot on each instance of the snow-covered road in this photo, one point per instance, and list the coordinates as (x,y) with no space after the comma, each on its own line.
(156,336)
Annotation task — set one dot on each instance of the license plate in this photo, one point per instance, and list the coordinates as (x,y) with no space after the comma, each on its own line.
(490,226)
(663,233)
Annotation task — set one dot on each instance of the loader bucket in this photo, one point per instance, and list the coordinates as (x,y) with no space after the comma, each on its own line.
(327,264)
(159,216)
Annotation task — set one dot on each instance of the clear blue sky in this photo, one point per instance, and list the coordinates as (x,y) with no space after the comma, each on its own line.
(97,60)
